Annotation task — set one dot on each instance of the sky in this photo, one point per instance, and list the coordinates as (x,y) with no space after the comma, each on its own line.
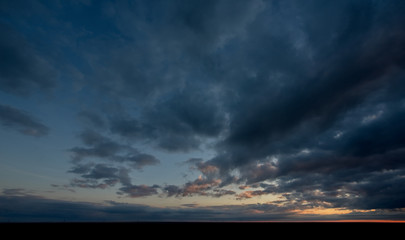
(202,110)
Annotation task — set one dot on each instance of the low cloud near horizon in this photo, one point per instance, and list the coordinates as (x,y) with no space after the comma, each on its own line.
(19,206)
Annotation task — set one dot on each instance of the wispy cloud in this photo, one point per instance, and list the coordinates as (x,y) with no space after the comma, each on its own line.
(21,121)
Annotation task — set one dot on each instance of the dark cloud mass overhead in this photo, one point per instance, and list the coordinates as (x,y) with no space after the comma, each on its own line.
(299,101)
(22,69)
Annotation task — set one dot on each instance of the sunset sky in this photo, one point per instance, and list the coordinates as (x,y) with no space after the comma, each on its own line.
(202,110)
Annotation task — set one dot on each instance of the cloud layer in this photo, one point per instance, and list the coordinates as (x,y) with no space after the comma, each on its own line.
(21,121)
(19,206)
(298,100)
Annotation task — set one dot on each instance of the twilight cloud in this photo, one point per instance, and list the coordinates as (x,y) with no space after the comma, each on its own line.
(22,69)
(21,121)
(295,105)
(288,109)
(103,147)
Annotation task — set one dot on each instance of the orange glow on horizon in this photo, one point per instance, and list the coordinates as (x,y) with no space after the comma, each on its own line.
(322,211)
(334,221)
(328,211)
(372,220)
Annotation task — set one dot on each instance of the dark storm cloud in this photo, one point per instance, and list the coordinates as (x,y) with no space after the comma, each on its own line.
(184,119)
(22,70)
(348,189)
(164,73)
(341,167)
(340,82)
(300,99)
(319,106)
(303,100)
(179,123)
(380,190)
(382,131)
(21,121)
(326,179)
(301,74)
(157,131)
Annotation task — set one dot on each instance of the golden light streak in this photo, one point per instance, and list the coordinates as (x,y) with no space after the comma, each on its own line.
(328,211)
(322,211)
